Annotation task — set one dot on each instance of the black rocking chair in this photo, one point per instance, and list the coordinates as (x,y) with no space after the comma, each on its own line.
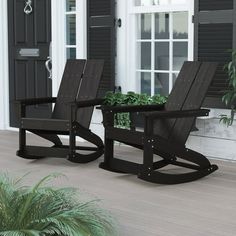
(166,129)
(71,115)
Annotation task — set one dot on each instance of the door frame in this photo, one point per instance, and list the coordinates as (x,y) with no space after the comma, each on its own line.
(4,67)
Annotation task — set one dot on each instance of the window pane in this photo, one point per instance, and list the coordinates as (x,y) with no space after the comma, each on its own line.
(71,53)
(70,5)
(176,2)
(150,2)
(180,25)
(144,55)
(158,2)
(70,30)
(180,54)
(162,26)
(146,83)
(162,83)
(144,26)
(162,56)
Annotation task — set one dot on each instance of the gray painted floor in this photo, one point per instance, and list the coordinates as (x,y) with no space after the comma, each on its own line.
(206,207)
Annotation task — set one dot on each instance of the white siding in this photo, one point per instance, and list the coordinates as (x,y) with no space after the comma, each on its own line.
(213,138)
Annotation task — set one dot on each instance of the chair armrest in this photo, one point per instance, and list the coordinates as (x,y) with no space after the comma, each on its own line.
(35,101)
(88,103)
(177,114)
(132,108)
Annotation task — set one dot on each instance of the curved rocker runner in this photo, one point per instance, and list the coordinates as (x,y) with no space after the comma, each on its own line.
(71,115)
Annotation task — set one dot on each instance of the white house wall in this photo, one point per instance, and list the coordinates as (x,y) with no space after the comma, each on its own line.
(213,138)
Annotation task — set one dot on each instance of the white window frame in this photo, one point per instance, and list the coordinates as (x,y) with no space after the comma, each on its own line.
(59,37)
(129,33)
(71,13)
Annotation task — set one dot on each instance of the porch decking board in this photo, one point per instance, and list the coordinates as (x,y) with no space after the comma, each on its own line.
(202,208)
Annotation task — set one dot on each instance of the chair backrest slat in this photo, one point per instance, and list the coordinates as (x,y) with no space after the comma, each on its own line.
(89,89)
(69,88)
(194,100)
(80,82)
(188,93)
(177,97)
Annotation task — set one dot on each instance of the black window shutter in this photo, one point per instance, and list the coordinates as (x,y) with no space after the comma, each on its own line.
(211,5)
(214,36)
(101,39)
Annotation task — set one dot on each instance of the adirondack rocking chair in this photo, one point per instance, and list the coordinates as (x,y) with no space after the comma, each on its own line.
(166,131)
(71,115)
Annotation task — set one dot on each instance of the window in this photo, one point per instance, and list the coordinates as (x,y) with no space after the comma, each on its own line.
(163,42)
(158,2)
(70,29)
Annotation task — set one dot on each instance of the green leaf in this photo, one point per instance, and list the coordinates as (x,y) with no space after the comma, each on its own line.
(229,96)
(228,121)
(44,210)
(122,120)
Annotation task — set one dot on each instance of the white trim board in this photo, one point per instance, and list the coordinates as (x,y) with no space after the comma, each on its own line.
(4,78)
(58,43)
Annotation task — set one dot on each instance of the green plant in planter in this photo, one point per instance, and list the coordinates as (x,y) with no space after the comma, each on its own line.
(230,96)
(42,211)
(122,120)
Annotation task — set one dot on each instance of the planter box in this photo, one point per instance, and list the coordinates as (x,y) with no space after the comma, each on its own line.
(137,120)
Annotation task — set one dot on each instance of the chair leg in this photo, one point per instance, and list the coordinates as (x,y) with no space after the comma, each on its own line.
(72,145)
(23,152)
(90,137)
(108,154)
(147,166)
(110,162)
(22,142)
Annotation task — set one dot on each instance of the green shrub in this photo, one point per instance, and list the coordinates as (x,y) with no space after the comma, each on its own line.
(229,97)
(122,120)
(42,211)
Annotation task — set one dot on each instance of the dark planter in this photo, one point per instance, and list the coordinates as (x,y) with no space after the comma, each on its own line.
(137,120)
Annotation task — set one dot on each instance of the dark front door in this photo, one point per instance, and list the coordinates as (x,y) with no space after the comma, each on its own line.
(29,25)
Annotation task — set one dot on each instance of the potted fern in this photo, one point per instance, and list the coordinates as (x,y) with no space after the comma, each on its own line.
(42,211)
(229,97)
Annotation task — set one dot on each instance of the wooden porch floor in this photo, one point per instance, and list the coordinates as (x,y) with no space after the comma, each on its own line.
(206,207)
